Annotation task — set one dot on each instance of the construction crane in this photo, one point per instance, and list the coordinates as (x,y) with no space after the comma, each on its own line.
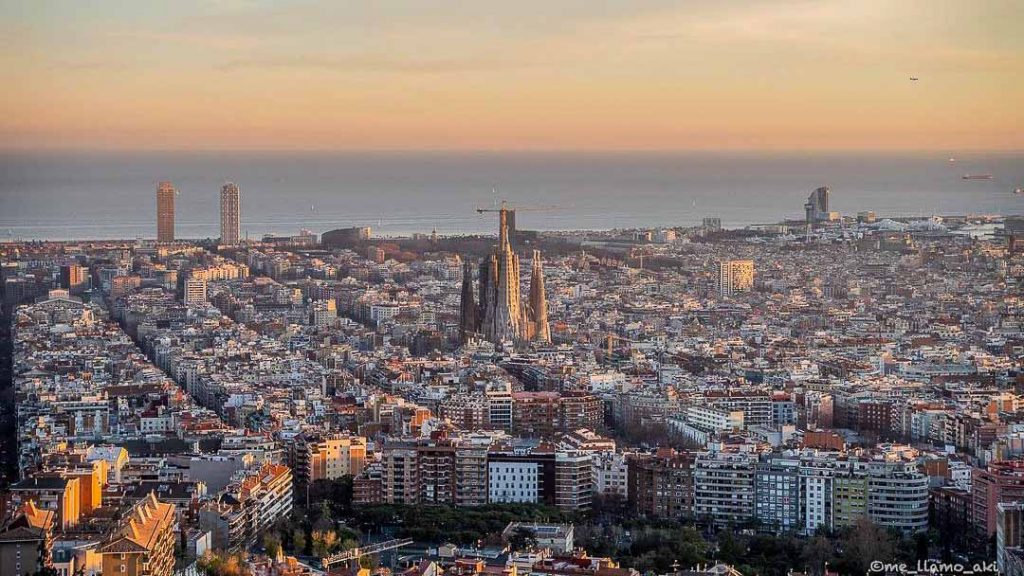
(638,253)
(357,553)
(504,206)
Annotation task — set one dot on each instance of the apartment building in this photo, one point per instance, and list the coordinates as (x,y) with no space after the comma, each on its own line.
(25,541)
(661,484)
(143,544)
(326,456)
(611,475)
(51,492)
(777,504)
(997,482)
(400,478)
(898,496)
(724,487)
(573,480)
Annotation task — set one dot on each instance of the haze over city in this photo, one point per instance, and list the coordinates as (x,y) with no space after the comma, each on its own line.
(564,288)
(569,75)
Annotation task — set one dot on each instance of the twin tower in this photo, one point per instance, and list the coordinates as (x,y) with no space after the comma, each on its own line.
(230,213)
(499,316)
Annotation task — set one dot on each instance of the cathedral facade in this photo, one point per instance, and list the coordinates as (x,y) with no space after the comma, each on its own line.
(498,313)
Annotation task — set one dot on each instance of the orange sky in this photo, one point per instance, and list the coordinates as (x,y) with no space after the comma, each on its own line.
(559,74)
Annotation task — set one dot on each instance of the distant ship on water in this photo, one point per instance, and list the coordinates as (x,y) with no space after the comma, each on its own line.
(976,177)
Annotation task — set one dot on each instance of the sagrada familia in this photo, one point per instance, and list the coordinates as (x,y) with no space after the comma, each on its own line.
(497,313)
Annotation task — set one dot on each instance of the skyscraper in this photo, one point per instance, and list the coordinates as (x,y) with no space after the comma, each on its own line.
(165,212)
(816,209)
(735,276)
(230,212)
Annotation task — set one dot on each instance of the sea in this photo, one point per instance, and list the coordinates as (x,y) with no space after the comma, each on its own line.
(105,195)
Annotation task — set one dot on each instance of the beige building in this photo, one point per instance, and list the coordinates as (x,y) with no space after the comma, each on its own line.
(735,276)
(328,457)
(51,492)
(230,212)
(165,193)
(195,291)
(143,544)
(92,476)
(25,541)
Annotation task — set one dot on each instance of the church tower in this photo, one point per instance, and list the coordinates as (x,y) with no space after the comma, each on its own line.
(499,313)
(468,317)
(538,307)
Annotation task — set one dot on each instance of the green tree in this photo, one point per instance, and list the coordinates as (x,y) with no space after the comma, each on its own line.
(817,552)
(864,543)
(271,544)
(522,538)
(298,541)
(218,564)
(729,550)
(324,542)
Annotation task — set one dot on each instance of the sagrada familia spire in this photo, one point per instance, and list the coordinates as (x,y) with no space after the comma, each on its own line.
(468,319)
(537,310)
(499,316)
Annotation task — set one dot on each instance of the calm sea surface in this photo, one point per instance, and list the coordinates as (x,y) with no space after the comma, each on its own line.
(112,195)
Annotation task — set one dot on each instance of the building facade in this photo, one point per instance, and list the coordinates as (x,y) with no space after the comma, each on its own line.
(230,214)
(143,544)
(165,194)
(735,276)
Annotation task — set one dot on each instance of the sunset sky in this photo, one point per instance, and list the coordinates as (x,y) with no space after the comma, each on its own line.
(513,75)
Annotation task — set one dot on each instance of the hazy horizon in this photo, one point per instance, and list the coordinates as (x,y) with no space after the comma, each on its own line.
(102,194)
(942,153)
(576,75)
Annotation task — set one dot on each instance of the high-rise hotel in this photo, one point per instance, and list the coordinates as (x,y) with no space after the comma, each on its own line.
(229,214)
(165,212)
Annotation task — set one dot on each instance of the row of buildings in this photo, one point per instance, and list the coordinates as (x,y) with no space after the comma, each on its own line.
(861,374)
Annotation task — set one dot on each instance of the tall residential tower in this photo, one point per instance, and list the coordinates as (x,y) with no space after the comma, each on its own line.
(230,213)
(165,193)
